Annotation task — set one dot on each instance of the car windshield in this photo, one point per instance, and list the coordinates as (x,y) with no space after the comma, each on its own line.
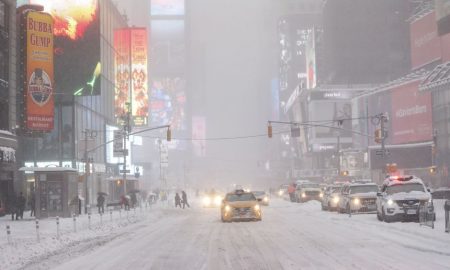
(363,189)
(310,185)
(259,193)
(240,197)
(405,188)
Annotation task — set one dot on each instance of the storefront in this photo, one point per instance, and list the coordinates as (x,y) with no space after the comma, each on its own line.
(8,144)
(438,83)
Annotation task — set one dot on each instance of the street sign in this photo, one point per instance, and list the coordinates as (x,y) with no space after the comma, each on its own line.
(379,152)
(124,171)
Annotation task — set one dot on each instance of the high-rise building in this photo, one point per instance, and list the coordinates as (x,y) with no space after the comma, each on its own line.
(8,139)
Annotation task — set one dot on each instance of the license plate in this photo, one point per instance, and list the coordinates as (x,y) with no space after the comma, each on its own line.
(411,212)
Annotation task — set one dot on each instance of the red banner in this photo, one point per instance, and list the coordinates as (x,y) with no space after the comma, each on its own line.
(411,114)
(425,42)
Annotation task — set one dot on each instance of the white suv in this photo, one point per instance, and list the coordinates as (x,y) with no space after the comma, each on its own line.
(358,197)
(401,198)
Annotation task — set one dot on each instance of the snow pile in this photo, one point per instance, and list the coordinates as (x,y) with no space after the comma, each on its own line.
(24,248)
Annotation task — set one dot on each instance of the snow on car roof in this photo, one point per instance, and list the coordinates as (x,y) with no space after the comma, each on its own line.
(362,184)
(401,180)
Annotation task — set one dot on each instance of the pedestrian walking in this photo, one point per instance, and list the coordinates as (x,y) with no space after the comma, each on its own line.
(21,202)
(184,198)
(101,203)
(125,202)
(12,206)
(32,204)
(177,200)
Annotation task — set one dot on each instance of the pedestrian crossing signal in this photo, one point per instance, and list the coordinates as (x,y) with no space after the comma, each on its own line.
(269,130)
(378,135)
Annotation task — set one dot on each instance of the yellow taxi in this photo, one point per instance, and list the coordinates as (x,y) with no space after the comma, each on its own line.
(240,205)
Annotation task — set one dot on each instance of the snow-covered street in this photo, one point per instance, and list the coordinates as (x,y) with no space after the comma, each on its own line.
(291,236)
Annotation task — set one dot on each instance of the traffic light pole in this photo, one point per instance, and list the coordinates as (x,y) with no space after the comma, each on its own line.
(383,119)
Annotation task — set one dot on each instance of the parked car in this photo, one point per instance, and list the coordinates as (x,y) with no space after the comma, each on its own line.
(401,198)
(441,193)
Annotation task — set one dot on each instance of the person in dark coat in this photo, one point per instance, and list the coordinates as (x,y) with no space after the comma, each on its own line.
(101,203)
(133,200)
(32,203)
(21,202)
(177,200)
(184,197)
(12,206)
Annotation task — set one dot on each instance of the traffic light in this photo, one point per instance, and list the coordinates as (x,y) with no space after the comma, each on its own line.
(433,170)
(169,134)
(378,135)
(344,173)
(269,130)
(391,168)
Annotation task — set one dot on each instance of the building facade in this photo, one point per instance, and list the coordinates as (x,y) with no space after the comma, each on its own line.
(8,140)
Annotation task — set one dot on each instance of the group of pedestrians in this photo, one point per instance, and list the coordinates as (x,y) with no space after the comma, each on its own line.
(17,206)
(181,201)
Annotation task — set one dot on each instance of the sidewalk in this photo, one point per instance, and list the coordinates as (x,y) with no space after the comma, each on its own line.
(25,245)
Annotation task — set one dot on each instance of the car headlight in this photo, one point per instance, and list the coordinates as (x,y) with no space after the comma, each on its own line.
(206,201)
(256,207)
(217,200)
(321,195)
(390,202)
(227,208)
(335,199)
(280,192)
(356,201)
(266,199)
(303,195)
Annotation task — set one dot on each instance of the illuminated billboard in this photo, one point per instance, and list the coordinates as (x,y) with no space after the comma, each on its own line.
(122,72)
(168,102)
(39,83)
(131,75)
(139,75)
(77,45)
(167,7)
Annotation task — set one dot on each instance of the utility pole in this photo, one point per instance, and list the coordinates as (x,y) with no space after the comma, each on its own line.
(126,132)
(88,134)
(384,134)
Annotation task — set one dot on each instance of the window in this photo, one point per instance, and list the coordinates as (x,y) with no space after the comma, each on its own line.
(3,19)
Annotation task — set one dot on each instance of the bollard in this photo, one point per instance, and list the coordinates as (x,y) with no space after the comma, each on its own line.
(8,233)
(110,216)
(120,214)
(127,213)
(101,218)
(57,228)
(89,220)
(134,211)
(447,215)
(74,223)
(37,231)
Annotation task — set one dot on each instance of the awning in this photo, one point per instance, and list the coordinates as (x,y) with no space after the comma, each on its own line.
(437,79)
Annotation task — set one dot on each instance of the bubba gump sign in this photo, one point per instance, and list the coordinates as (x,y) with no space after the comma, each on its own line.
(39,83)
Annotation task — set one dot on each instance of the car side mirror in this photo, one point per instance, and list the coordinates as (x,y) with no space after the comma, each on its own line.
(428,189)
(379,194)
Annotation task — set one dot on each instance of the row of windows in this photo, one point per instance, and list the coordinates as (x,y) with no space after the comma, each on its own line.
(4,14)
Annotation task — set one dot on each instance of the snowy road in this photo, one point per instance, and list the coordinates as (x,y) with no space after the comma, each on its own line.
(291,236)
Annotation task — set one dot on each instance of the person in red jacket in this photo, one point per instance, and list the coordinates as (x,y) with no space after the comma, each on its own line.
(291,191)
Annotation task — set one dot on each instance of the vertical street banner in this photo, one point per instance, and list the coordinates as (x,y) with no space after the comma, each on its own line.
(139,75)
(39,82)
(122,75)
(310,50)
(118,143)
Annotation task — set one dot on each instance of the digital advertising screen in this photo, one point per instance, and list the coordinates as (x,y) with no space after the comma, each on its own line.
(168,102)
(77,45)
